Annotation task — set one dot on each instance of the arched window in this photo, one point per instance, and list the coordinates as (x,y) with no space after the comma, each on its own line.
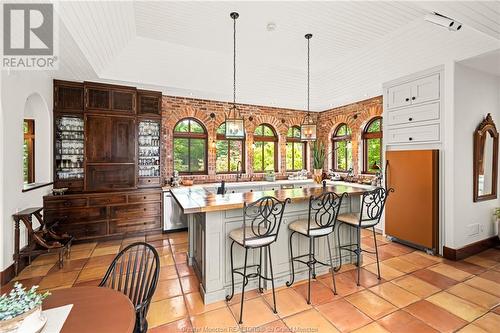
(190,147)
(265,148)
(342,148)
(295,150)
(372,145)
(230,153)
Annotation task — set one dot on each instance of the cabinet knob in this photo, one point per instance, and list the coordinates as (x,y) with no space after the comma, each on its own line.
(407,99)
(410,119)
(144,198)
(410,138)
(144,209)
(413,98)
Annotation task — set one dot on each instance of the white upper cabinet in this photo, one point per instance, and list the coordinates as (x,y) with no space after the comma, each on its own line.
(422,90)
(399,96)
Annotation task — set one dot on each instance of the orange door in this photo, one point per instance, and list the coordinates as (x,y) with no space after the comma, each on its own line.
(412,210)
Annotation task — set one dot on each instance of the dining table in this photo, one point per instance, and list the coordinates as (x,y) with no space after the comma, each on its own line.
(95,309)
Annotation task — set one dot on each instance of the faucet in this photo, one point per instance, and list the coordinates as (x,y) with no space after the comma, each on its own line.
(240,173)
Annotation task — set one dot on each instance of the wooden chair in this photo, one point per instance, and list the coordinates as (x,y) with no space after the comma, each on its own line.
(135,272)
(40,240)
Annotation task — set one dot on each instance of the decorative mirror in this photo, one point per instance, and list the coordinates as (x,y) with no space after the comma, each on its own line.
(485,160)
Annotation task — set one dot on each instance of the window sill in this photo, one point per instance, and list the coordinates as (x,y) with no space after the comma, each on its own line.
(34,186)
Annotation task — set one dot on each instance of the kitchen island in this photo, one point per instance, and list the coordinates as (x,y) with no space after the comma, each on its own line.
(211,217)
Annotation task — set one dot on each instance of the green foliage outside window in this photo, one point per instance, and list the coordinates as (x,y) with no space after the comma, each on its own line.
(372,140)
(342,148)
(228,152)
(295,150)
(190,146)
(264,149)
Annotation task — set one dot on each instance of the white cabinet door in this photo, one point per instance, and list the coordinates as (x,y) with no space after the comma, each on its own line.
(413,114)
(415,134)
(399,96)
(425,89)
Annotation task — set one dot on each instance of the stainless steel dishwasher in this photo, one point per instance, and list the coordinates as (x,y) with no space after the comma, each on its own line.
(173,217)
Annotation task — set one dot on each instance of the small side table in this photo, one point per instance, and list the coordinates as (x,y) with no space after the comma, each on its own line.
(41,240)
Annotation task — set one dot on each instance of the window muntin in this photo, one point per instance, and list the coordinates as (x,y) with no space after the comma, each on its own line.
(190,147)
(264,149)
(229,152)
(342,148)
(295,150)
(372,145)
(29,151)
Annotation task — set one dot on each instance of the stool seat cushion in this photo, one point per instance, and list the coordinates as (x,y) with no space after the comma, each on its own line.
(353,219)
(251,239)
(300,226)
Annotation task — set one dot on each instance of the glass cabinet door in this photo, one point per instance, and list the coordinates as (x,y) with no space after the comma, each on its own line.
(69,148)
(149,152)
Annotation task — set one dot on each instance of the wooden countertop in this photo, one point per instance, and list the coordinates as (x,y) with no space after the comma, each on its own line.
(199,200)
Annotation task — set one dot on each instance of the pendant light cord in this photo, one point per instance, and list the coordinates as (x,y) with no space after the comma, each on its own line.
(234,65)
(308,74)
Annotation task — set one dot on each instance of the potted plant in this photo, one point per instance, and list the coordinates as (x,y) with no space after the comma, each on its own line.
(318,160)
(270,176)
(496,214)
(22,307)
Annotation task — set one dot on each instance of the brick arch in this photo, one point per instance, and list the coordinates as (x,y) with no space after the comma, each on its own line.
(269,120)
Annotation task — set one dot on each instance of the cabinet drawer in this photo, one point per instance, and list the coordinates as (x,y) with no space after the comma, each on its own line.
(149,181)
(414,114)
(84,230)
(108,200)
(66,203)
(135,211)
(133,226)
(72,185)
(414,134)
(76,215)
(110,177)
(144,197)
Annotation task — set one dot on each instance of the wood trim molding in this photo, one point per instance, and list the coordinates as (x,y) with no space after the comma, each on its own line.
(471,249)
(9,273)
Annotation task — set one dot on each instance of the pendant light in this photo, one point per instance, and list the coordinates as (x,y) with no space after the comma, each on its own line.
(235,125)
(308,126)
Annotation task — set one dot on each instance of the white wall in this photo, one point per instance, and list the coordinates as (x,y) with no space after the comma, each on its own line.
(475,95)
(16,88)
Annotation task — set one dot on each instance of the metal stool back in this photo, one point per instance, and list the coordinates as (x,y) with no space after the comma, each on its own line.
(262,220)
(322,217)
(372,206)
(134,272)
(371,209)
(323,211)
(261,224)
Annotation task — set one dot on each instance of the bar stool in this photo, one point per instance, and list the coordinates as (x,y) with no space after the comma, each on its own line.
(371,209)
(261,224)
(323,211)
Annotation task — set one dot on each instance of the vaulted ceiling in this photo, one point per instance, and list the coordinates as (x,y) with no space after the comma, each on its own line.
(184,48)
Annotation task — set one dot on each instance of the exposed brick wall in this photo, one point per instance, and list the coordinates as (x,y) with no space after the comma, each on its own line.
(356,116)
(177,108)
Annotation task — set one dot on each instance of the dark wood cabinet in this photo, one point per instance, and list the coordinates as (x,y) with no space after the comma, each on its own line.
(105,215)
(110,139)
(98,131)
(105,98)
(149,103)
(68,96)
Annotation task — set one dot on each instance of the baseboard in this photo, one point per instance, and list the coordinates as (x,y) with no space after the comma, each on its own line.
(471,249)
(9,273)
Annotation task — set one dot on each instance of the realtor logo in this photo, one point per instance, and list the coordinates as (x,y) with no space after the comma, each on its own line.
(28,36)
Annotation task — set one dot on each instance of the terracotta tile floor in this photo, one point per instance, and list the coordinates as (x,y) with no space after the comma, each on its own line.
(417,292)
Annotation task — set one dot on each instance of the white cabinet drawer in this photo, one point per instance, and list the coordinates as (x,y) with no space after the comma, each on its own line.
(413,134)
(414,114)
